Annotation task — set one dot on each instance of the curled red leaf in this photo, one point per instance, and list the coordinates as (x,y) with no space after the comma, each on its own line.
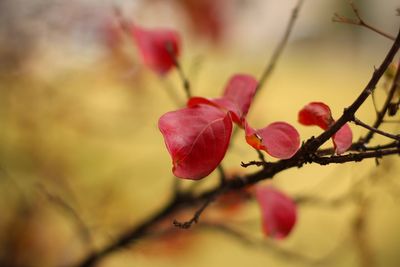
(196,138)
(278,212)
(237,98)
(316,113)
(279,139)
(158,48)
(319,114)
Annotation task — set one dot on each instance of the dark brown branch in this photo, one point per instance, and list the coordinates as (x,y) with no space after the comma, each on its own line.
(357,147)
(313,144)
(375,130)
(359,22)
(356,157)
(381,114)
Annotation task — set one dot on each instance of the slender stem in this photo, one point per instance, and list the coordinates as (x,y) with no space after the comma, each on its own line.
(355,157)
(381,114)
(196,216)
(280,47)
(182,76)
(222,174)
(375,130)
(360,22)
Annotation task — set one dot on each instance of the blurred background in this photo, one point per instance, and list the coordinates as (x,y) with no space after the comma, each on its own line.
(82,160)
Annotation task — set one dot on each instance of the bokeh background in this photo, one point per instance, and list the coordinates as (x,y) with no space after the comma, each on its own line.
(82,160)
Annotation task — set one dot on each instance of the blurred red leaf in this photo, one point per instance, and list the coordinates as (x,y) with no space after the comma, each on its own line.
(237,98)
(196,138)
(278,212)
(279,139)
(319,114)
(158,48)
(206,17)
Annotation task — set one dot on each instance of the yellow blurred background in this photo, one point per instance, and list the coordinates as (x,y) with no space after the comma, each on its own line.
(82,160)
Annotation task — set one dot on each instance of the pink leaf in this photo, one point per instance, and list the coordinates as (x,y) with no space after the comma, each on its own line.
(154,47)
(237,98)
(279,139)
(319,114)
(342,139)
(196,138)
(278,212)
(316,113)
(240,90)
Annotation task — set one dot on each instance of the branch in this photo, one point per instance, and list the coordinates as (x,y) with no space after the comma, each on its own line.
(359,22)
(280,47)
(381,114)
(196,216)
(375,130)
(355,157)
(313,144)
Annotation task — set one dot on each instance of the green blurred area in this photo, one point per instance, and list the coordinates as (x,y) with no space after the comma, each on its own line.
(82,160)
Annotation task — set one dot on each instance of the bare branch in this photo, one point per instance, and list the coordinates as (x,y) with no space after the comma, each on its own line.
(355,157)
(280,47)
(196,216)
(381,114)
(359,22)
(375,130)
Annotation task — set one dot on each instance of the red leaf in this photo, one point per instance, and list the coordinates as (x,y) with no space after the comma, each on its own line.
(342,139)
(153,46)
(316,113)
(319,114)
(278,212)
(279,139)
(196,138)
(237,98)
(206,17)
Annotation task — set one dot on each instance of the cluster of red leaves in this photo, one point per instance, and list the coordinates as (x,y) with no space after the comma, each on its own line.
(198,136)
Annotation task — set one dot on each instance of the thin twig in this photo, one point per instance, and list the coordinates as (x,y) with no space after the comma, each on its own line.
(253,163)
(356,157)
(375,130)
(381,114)
(222,174)
(182,76)
(196,216)
(359,22)
(280,47)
